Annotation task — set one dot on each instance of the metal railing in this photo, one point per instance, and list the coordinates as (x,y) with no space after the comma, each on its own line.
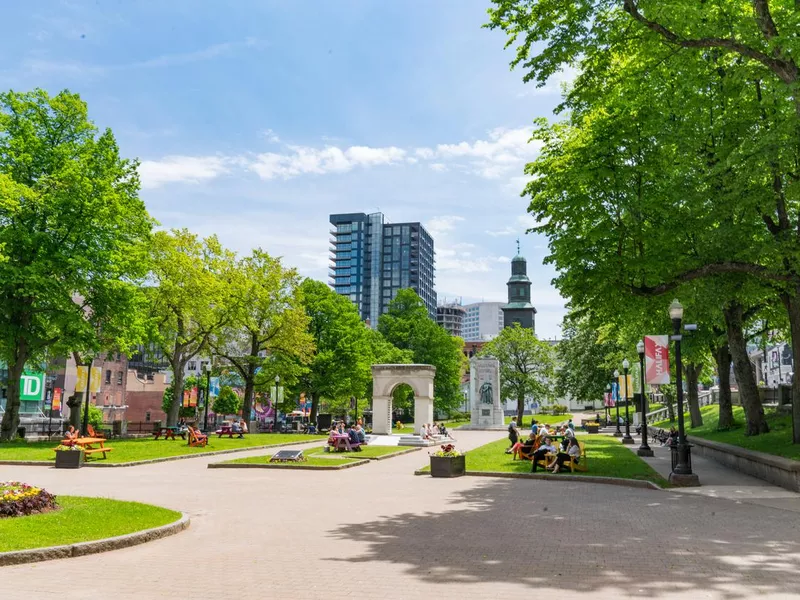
(704,398)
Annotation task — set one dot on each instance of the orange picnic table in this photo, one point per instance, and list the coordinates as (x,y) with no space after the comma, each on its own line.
(90,445)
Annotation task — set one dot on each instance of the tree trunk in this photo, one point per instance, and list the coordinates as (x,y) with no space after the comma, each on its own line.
(8,428)
(314,408)
(722,356)
(520,410)
(792,304)
(177,388)
(250,380)
(668,399)
(748,391)
(692,376)
(75,404)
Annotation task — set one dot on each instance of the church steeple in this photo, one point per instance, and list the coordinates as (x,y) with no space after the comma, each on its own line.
(519,308)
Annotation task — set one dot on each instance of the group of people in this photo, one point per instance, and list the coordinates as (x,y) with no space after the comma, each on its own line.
(429,430)
(355,432)
(540,447)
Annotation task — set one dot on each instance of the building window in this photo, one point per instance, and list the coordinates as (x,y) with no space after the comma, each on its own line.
(119,377)
(108,377)
(191,365)
(147,417)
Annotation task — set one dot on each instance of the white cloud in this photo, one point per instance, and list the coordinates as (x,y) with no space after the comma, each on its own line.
(424,153)
(505,151)
(439,167)
(185,169)
(270,136)
(502,232)
(302,160)
(440,225)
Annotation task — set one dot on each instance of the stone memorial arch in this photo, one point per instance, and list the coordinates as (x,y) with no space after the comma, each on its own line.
(385,378)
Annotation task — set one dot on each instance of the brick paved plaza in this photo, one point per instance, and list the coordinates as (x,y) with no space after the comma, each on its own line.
(378,531)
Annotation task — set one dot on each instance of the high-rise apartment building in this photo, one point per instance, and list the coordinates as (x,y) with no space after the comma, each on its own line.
(482,321)
(450,315)
(372,260)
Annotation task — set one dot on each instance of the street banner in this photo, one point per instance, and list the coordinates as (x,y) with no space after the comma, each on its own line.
(214,389)
(56,404)
(614,394)
(656,356)
(622,389)
(185,402)
(607,400)
(31,386)
(637,380)
(83,373)
(193,397)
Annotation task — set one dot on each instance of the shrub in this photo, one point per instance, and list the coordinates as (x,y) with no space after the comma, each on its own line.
(560,409)
(20,499)
(95,416)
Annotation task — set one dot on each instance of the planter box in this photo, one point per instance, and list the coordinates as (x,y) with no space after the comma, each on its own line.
(69,459)
(593,428)
(442,466)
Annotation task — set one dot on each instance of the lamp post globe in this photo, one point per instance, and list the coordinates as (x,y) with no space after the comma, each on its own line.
(627,439)
(644,448)
(617,433)
(682,466)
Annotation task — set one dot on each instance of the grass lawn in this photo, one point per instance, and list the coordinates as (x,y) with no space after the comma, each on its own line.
(778,441)
(81,520)
(606,457)
(147,448)
(548,419)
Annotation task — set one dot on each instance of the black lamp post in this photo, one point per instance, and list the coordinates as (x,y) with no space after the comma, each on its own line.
(644,448)
(275,402)
(208,395)
(608,393)
(617,433)
(627,439)
(682,468)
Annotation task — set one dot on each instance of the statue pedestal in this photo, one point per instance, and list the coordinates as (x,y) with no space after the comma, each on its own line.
(486,410)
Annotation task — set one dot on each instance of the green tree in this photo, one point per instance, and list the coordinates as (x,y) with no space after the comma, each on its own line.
(340,364)
(526,365)
(228,402)
(73,233)
(722,81)
(407,326)
(266,319)
(187,301)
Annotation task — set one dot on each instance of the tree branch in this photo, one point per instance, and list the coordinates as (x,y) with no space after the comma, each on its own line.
(786,70)
(708,270)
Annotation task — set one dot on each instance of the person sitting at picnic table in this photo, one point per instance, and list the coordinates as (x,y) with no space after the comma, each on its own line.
(524,447)
(71,435)
(569,434)
(571,425)
(543,430)
(542,451)
(362,438)
(574,453)
(353,437)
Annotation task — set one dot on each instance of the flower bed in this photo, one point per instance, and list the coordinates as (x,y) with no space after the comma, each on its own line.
(20,499)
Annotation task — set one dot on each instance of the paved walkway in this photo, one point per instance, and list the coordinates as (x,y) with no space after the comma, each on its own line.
(378,531)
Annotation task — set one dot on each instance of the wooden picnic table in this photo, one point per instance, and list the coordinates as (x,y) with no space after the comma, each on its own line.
(169,433)
(90,445)
(342,443)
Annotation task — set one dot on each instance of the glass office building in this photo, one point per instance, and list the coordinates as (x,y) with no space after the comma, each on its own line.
(372,260)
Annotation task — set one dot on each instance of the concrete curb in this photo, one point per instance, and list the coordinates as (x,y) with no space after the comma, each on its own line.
(288,465)
(19,557)
(136,463)
(635,483)
(393,455)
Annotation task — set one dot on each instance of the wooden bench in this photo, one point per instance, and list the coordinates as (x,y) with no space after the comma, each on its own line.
(573,466)
(89,451)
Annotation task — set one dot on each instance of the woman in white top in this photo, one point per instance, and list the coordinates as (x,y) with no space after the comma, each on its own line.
(574,453)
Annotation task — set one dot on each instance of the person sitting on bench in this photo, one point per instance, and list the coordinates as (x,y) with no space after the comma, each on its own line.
(525,447)
(71,435)
(574,453)
(353,438)
(362,438)
(547,447)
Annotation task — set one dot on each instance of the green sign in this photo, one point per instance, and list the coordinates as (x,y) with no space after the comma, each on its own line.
(31,387)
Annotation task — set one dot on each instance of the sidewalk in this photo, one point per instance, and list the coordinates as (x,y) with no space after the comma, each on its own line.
(718,481)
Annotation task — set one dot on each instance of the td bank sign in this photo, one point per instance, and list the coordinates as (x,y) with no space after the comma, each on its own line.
(31,387)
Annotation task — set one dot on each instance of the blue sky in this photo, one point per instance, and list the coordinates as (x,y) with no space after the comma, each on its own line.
(256,119)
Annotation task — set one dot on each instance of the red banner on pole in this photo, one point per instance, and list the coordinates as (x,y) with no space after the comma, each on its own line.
(193,397)
(656,356)
(56,404)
